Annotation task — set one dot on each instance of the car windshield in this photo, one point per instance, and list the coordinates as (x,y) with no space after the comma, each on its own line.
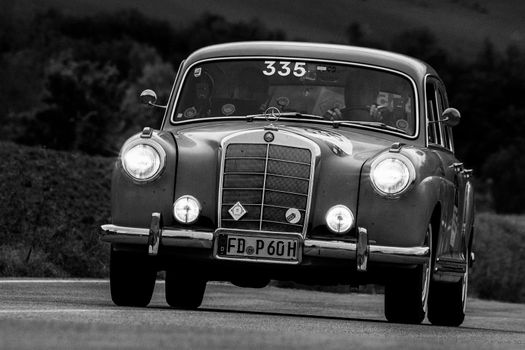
(298,89)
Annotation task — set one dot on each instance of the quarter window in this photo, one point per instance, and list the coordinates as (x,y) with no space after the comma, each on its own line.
(447,130)
(434,130)
(442,126)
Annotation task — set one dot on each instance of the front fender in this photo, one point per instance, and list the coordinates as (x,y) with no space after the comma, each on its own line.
(132,203)
(402,221)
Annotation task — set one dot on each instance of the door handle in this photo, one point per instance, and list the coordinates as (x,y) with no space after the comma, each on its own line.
(458,167)
(468,173)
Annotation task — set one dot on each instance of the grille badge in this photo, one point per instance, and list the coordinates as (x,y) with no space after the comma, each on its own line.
(269,137)
(293,215)
(237,211)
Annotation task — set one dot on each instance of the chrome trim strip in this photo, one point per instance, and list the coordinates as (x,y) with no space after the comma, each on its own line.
(264,190)
(269,158)
(124,229)
(347,250)
(263,186)
(165,117)
(414,86)
(200,239)
(311,247)
(405,251)
(427,122)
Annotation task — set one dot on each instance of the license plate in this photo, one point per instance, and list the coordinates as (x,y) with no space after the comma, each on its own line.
(237,246)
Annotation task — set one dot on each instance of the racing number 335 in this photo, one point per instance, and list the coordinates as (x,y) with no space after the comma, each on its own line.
(284,70)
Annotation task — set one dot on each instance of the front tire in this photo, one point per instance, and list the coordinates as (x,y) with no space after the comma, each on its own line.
(448,301)
(184,290)
(406,293)
(131,278)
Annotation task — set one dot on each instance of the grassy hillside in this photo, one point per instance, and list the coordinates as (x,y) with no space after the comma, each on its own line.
(461,25)
(51,206)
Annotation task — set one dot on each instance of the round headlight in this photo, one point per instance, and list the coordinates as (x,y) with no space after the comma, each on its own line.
(142,162)
(339,219)
(391,176)
(186,209)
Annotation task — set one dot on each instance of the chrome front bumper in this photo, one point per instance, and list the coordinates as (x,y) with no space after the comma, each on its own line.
(361,251)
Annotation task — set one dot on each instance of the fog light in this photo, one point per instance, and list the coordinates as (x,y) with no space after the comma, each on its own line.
(339,219)
(186,209)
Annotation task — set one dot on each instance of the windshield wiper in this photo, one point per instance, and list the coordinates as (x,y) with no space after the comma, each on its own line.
(302,115)
(286,114)
(381,125)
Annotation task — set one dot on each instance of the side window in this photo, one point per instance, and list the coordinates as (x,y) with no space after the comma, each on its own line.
(448,129)
(434,135)
(440,108)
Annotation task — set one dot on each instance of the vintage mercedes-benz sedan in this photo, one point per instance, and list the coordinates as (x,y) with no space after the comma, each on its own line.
(319,164)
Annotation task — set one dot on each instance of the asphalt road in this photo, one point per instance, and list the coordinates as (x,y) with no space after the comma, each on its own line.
(79,314)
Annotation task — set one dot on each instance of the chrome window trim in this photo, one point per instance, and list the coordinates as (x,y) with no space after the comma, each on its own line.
(206,60)
(450,135)
(166,112)
(247,137)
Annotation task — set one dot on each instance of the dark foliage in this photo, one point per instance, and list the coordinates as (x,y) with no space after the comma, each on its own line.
(52,206)
(486,89)
(500,258)
(71,83)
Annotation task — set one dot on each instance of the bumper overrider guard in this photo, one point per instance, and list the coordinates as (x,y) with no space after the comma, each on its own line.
(361,252)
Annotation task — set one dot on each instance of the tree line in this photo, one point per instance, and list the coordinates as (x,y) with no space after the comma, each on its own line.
(72,82)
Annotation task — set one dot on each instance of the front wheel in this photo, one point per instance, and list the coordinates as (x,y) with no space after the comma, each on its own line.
(406,292)
(184,290)
(131,278)
(448,301)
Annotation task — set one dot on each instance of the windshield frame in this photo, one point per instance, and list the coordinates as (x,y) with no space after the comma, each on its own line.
(188,69)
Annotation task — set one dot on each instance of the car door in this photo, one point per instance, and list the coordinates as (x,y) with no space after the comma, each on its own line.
(440,142)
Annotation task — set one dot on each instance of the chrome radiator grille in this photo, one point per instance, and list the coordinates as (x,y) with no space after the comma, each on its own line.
(270,181)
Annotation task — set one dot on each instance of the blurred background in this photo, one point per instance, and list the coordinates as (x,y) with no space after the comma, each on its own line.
(71,72)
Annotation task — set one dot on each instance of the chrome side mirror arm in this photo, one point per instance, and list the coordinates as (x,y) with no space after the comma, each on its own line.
(450,117)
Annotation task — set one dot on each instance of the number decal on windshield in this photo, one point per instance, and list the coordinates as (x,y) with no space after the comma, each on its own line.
(270,69)
(284,68)
(299,70)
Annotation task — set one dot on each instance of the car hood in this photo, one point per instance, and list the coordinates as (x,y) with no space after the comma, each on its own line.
(343,143)
(337,168)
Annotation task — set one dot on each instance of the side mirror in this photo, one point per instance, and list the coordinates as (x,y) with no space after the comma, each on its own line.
(149,97)
(451,117)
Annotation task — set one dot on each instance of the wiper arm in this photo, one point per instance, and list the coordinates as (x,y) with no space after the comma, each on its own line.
(302,115)
(375,124)
(286,114)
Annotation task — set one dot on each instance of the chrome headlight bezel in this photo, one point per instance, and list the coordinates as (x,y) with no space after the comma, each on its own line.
(340,210)
(406,173)
(190,200)
(153,146)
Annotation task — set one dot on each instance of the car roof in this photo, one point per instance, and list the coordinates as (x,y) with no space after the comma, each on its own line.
(415,68)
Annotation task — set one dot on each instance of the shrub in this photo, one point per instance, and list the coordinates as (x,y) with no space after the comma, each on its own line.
(52,204)
(499,244)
